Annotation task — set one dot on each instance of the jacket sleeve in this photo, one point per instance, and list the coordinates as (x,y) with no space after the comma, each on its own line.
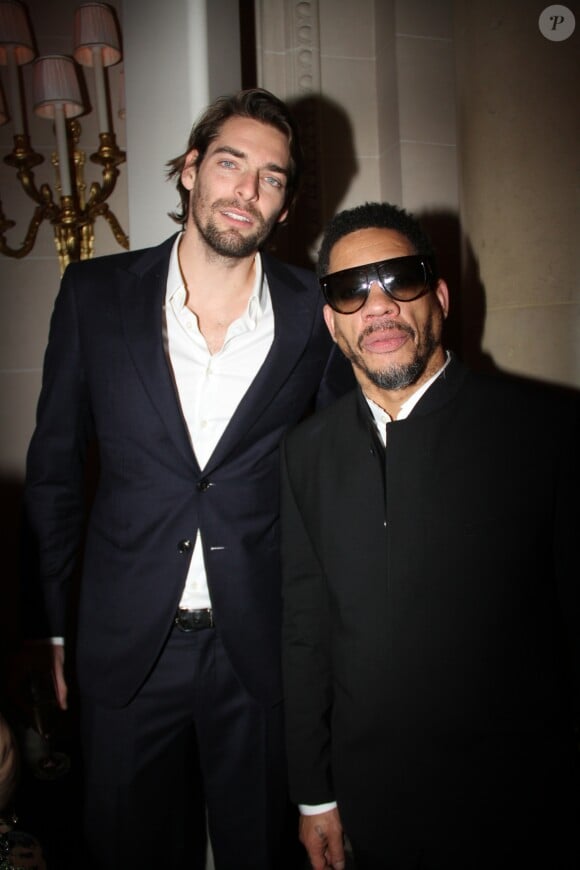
(338,378)
(566,550)
(54,502)
(306,655)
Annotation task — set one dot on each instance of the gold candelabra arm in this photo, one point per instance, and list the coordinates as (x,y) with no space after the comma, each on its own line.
(109,156)
(23,158)
(72,219)
(22,153)
(40,214)
(103,210)
(68,235)
(58,96)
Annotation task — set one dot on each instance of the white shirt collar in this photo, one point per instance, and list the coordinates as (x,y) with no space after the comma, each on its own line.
(381,417)
(176,293)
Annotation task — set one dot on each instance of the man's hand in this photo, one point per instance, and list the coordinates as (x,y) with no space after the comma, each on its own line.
(43,658)
(8,764)
(322,837)
(60,686)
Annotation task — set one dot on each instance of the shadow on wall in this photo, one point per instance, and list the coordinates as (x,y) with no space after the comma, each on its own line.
(460,269)
(329,167)
(465,324)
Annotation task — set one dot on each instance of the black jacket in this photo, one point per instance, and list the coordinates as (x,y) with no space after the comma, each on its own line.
(431,609)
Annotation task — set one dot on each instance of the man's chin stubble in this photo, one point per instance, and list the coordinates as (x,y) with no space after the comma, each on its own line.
(396,377)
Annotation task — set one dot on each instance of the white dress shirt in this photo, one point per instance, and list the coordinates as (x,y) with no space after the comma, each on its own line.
(211,386)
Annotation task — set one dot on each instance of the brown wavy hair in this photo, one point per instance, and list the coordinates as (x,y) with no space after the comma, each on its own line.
(255,103)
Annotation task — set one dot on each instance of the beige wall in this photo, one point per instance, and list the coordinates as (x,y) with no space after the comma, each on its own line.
(390,65)
(381,73)
(28,286)
(519,129)
(465,114)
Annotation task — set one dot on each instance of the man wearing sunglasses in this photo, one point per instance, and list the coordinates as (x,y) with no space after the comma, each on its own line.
(431,595)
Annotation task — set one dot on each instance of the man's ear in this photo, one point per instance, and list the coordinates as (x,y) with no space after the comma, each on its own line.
(189,171)
(329,320)
(442,293)
(282,216)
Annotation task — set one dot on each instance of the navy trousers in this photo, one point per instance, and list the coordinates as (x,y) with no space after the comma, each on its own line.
(192,752)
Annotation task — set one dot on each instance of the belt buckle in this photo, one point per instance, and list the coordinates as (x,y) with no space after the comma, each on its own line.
(179,621)
(192,620)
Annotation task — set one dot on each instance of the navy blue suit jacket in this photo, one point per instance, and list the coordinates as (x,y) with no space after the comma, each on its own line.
(107,380)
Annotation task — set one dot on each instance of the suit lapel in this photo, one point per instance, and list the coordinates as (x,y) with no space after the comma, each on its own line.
(293,322)
(142,294)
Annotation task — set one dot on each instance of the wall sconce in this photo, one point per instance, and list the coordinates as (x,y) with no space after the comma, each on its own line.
(57,97)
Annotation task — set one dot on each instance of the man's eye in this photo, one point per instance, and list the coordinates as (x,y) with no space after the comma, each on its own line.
(227,164)
(273,181)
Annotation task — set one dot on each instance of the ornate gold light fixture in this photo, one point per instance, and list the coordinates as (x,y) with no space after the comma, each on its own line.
(57,97)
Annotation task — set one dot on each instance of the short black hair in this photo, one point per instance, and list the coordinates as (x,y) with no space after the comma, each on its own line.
(381,215)
(255,103)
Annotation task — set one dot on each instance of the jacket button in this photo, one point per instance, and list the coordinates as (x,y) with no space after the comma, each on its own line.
(203,485)
(184,546)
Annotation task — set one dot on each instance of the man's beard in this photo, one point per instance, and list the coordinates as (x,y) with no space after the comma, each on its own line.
(397,376)
(231,243)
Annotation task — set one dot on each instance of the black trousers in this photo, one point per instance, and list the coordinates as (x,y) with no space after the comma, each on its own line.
(492,835)
(191,743)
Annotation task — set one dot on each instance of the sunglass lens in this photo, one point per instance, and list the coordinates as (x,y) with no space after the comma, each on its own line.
(346,291)
(404,279)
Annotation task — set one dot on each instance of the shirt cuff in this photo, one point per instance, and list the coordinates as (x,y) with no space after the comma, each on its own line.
(314,809)
(53,641)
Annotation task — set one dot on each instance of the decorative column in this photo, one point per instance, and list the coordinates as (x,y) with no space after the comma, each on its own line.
(288,64)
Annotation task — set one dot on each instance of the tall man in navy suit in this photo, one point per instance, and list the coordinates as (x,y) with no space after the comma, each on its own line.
(185,364)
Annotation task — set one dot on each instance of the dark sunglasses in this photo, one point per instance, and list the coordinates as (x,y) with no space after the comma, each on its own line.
(402,278)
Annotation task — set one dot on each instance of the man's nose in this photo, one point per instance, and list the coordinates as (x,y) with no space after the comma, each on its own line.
(378,302)
(247,187)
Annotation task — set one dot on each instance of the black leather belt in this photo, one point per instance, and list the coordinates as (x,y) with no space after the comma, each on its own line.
(194,620)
